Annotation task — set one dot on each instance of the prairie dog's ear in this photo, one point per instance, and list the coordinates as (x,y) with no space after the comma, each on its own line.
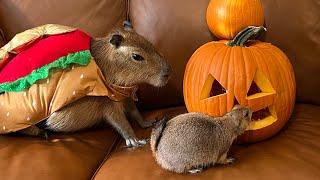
(116,40)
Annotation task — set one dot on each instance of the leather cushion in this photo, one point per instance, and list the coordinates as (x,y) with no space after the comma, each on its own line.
(294,27)
(177,28)
(72,156)
(292,154)
(2,38)
(97,17)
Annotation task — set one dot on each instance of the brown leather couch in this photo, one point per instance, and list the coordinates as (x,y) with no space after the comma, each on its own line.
(177,28)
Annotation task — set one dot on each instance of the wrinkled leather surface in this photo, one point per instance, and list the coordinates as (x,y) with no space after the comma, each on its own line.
(292,154)
(178,28)
(72,156)
(2,38)
(294,27)
(96,17)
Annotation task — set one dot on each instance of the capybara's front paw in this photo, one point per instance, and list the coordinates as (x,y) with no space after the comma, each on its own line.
(134,142)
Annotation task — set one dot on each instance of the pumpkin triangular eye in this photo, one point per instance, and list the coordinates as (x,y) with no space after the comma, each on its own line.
(217,89)
(254,89)
(212,88)
(260,86)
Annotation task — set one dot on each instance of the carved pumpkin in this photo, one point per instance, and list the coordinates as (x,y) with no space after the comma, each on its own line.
(222,74)
(226,18)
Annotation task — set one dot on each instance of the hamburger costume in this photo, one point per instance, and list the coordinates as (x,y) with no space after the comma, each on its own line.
(46,68)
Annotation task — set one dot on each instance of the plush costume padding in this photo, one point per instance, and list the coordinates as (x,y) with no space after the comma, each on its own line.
(66,83)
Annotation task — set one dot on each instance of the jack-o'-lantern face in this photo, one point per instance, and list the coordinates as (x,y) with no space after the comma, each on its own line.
(260,97)
(218,77)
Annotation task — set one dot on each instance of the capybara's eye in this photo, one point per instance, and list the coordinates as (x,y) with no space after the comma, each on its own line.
(137,57)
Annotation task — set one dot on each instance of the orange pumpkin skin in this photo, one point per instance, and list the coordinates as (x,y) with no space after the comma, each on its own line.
(226,18)
(235,68)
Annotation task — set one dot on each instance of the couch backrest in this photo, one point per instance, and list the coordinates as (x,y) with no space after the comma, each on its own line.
(94,16)
(177,28)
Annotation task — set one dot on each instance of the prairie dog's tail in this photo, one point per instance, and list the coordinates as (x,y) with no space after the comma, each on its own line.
(156,133)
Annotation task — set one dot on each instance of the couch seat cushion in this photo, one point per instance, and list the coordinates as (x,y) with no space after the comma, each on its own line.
(292,154)
(72,156)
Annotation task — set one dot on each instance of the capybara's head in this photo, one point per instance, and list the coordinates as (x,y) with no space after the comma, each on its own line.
(126,58)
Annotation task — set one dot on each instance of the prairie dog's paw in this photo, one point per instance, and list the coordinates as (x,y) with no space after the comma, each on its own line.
(195,171)
(231,160)
(44,134)
(148,123)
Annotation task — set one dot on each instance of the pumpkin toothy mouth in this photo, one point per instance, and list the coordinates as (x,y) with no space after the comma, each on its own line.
(259,90)
(262,118)
(261,114)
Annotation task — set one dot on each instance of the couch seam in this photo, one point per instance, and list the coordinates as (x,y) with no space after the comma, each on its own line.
(113,146)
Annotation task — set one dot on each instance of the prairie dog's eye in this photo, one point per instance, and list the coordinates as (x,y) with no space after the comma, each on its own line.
(137,57)
(245,113)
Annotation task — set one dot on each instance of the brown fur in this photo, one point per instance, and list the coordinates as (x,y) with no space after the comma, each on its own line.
(115,60)
(193,141)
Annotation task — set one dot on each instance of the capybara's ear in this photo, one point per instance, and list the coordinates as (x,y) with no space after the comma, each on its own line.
(127,26)
(116,40)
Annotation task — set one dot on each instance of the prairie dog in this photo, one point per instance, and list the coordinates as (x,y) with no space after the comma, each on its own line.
(125,59)
(193,141)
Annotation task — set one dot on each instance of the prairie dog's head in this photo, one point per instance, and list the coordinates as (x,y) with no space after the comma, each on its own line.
(127,59)
(241,118)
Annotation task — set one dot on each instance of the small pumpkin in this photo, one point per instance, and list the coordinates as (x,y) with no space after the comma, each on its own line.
(256,74)
(226,18)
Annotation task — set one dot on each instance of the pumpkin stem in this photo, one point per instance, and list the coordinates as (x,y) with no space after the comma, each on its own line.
(243,36)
